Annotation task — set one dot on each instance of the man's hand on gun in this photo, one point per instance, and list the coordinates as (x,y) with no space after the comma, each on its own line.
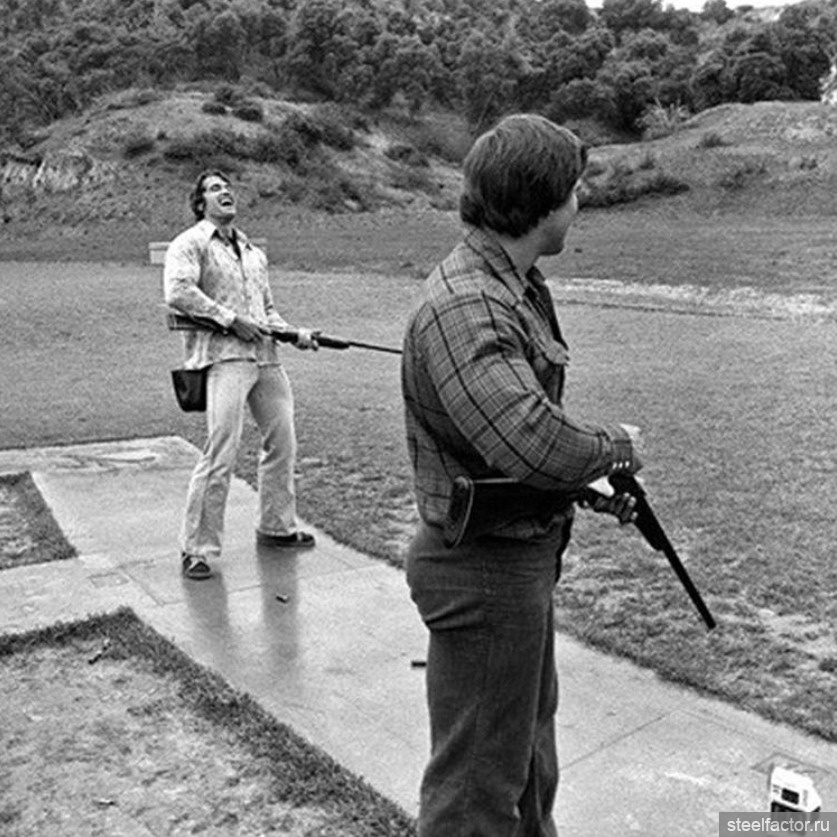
(246,329)
(250,331)
(601,497)
(302,338)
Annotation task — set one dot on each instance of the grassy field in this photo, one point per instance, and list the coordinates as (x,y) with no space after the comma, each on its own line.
(736,411)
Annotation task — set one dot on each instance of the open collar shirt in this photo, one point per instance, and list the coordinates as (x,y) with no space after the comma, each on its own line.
(208,276)
(483,376)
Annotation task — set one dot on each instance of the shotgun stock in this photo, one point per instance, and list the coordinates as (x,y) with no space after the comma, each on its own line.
(478,507)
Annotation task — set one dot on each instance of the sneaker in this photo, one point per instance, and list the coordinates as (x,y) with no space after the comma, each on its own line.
(297,540)
(195,567)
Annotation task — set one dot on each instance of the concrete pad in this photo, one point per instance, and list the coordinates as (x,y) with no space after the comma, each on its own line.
(325,638)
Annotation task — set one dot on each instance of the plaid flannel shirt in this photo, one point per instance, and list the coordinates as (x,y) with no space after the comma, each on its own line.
(204,276)
(483,376)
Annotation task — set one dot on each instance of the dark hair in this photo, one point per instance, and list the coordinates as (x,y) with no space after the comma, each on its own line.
(196,199)
(518,172)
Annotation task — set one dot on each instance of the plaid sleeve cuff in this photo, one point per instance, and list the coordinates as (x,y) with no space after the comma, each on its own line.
(622,451)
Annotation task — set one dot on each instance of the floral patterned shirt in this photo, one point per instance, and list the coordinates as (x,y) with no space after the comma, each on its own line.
(204,276)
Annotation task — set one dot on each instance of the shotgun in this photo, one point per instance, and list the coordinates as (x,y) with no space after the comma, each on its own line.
(178,321)
(477,506)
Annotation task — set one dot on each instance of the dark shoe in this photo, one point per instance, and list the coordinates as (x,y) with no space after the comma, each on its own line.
(298,540)
(195,567)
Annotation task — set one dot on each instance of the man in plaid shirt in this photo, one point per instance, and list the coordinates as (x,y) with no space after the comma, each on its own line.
(483,376)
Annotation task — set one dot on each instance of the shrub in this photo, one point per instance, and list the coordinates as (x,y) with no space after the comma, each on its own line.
(414,179)
(281,146)
(436,135)
(622,186)
(711,139)
(334,131)
(736,178)
(249,112)
(219,141)
(660,121)
(228,94)
(407,154)
(214,108)
(136,145)
(306,128)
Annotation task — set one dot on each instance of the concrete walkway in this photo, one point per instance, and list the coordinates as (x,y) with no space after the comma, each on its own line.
(325,639)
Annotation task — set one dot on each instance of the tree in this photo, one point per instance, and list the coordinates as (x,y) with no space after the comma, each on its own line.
(717,11)
(488,76)
(219,46)
(804,36)
(759,77)
(631,88)
(312,37)
(547,17)
(632,15)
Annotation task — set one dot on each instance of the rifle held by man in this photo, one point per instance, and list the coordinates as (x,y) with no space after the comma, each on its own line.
(178,321)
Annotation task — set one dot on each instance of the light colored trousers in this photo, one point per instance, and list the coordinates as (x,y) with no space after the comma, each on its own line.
(231,386)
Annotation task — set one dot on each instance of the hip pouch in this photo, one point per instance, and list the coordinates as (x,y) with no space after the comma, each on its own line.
(190,389)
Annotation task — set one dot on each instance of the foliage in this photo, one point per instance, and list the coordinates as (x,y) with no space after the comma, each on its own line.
(484,59)
(660,121)
(625,182)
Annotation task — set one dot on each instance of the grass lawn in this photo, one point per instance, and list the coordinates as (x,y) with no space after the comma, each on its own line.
(109,729)
(736,411)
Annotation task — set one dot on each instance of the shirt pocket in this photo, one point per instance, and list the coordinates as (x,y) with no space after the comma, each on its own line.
(549,360)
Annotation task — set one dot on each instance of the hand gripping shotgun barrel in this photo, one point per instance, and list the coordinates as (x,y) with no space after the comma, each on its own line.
(476,507)
(181,322)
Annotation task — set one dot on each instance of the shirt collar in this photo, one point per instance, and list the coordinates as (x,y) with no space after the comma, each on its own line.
(485,245)
(208,229)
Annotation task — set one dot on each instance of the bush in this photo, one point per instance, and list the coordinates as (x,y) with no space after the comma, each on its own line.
(228,94)
(249,112)
(214,108)
(334,131)
(136,145)
(623,185)
(281,146)
(659,121)
(737,178)
(219,141)
(402,153)
(448,140)
(711,139)
(306,128)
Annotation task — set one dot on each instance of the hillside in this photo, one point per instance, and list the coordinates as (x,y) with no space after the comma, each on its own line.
(103,184)
(761,159)
(129,161)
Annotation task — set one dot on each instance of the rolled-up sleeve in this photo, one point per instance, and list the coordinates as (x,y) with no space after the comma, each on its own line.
(181,277)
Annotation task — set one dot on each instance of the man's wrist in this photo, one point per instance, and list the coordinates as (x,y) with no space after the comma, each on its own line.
(623,457)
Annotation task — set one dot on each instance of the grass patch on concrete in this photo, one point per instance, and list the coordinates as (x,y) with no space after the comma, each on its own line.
(28,531)
(108,728)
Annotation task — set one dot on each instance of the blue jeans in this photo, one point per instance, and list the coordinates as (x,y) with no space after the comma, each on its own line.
(231,387)
(492,687)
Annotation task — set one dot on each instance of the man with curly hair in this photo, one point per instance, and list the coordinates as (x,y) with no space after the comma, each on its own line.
(214,272)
